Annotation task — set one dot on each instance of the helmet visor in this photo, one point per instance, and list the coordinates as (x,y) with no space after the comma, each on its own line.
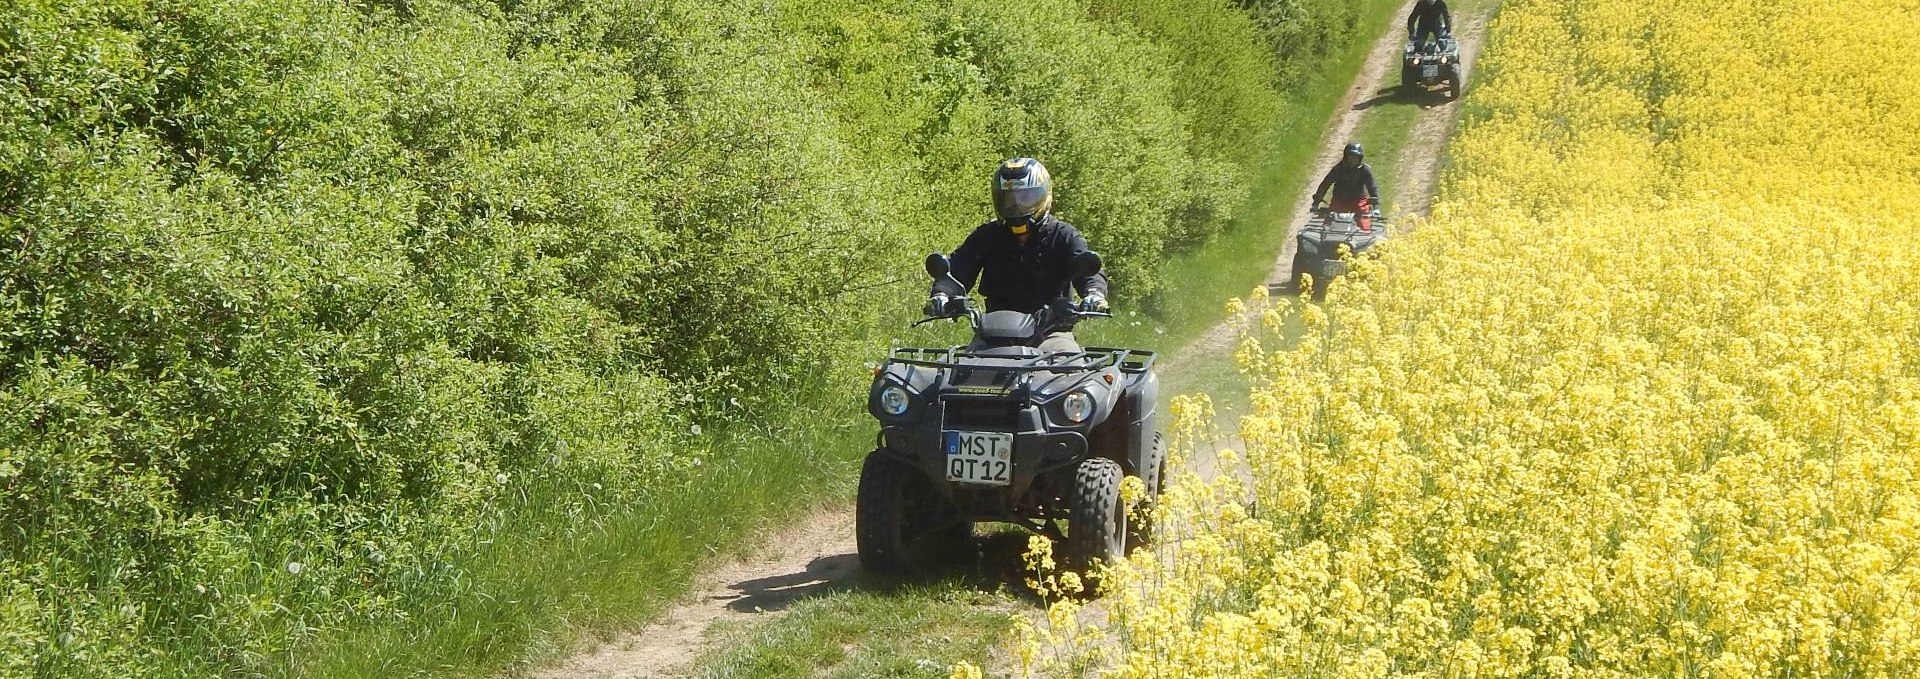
(1019,204)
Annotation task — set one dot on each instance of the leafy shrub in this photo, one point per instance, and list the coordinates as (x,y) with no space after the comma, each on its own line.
(303,296)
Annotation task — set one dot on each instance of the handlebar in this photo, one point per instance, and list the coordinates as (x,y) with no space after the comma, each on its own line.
(967,309)
(965,304)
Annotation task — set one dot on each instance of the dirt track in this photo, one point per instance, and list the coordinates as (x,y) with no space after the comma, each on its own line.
(1414,174)
(817,552)
(810,557)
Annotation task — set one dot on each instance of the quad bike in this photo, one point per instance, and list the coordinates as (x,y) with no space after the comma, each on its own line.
(1002,431)
(1424,64)
(1326,245)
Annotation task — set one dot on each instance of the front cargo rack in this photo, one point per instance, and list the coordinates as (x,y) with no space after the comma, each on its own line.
(1088,358)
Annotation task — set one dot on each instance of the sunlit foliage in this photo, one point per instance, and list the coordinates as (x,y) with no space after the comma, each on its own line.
(1642,398)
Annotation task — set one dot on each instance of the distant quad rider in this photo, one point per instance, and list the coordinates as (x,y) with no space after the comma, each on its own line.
(1024,258)
(1429,18)
(1353,187)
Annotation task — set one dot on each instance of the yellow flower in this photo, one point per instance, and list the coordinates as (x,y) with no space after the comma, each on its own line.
(1639,397)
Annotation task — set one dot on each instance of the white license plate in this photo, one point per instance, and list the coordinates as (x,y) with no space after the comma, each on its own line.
(979,457)
(1429,71)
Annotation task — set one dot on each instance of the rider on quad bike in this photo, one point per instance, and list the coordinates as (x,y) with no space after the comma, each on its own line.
(1430,18)
(1354,189)
(1022,425)
(1024,258)
(1432,56)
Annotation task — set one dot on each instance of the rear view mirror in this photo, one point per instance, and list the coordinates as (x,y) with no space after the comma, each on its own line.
(1085,263)
(941,269)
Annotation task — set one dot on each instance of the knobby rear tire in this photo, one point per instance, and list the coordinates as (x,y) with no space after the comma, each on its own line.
(1140,519)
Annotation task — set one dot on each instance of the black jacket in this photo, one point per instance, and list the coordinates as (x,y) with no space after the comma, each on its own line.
(1349,182)
(1023,278)
(1434,17)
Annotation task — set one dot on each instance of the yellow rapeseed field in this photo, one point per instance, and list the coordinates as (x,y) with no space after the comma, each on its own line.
(1640,399)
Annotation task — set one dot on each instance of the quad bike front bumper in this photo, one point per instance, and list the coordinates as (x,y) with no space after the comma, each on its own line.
(1326,269)
(1431,74)
(1035,452)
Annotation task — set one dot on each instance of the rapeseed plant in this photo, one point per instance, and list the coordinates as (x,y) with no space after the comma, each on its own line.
(1641,397)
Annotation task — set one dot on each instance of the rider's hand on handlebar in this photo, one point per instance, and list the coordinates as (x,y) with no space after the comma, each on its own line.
(1094,303)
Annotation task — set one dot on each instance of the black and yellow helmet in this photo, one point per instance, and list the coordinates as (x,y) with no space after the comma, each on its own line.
(1022,193)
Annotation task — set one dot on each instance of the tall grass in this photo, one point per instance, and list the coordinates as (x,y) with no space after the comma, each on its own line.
(1243,254)
(548,575)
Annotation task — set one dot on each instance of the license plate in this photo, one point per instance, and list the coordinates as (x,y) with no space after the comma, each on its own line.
(979,457)
(1429,71)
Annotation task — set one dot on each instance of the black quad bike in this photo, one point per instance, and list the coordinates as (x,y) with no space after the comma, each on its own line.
(1000,430)
(1425,64)
(1327,244)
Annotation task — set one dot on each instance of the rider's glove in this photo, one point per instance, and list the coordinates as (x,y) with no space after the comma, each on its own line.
(937,306)
(1094,302)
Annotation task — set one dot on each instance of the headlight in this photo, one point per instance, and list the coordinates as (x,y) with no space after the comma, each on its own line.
(893,400)
(1079,407)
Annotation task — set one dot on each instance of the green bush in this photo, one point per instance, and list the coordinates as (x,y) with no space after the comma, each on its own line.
(305,296)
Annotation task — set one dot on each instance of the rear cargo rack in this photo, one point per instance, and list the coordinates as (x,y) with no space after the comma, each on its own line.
(1089,358)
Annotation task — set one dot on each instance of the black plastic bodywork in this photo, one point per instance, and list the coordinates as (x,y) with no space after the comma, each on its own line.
(1324,244)
(1018,390)
(1442,54)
